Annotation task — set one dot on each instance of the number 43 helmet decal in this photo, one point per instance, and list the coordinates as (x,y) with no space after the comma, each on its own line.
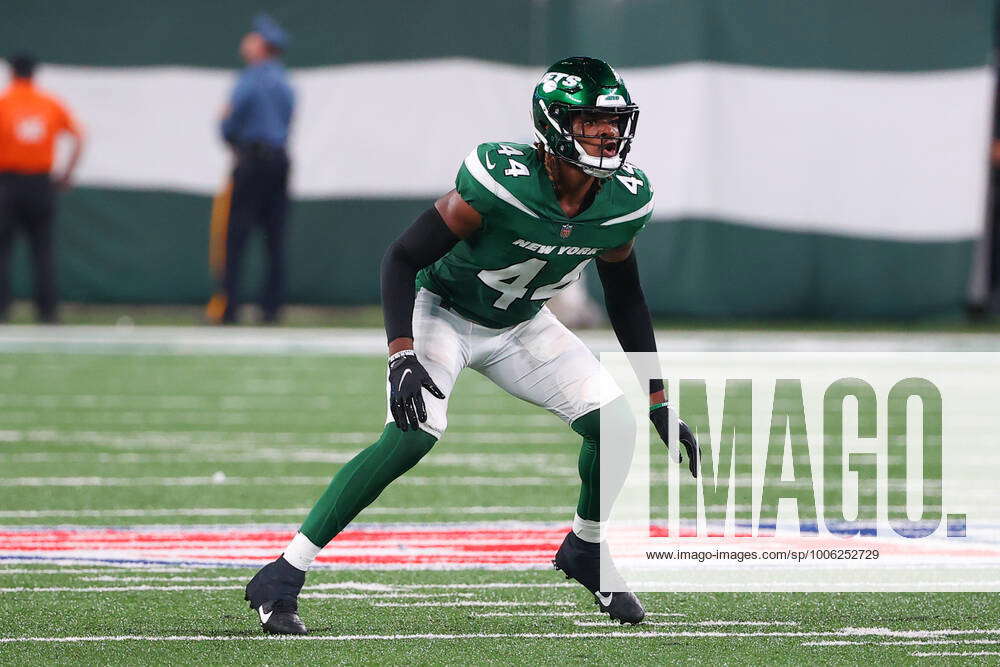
(581,85)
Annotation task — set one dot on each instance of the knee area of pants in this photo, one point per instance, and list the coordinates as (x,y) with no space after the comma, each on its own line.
(616,416)
(620,415)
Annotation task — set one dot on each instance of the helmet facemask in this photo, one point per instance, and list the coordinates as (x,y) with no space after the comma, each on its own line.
(561,117)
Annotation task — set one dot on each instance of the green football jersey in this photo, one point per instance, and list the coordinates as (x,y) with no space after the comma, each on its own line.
(527,250)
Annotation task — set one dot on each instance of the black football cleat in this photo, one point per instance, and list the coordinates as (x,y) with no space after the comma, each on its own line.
(623,607)
(581,560)
(273,593)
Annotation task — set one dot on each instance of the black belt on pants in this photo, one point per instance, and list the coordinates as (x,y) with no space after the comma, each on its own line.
(260,151)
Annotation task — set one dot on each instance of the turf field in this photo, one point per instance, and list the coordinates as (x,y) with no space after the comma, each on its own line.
(143,473)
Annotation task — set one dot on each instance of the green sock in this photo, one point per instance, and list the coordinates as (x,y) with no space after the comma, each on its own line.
(589,465)
(589,426)
(362,479)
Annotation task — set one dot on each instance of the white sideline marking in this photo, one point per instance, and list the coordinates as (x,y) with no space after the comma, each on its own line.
(292,511)
(347,596)
(88,570)
(325,567)
(910,642)
(249,441)
(372,592)
(836,642)
(913,634)
(556,465)
(967,654)
(182,580)
(380,596)
(194,340)
(345,585)
(931,585)
(364,586)
(478,635)
(113,589)
(473,603)
(709,623)
(491,614)
(269,547)
(925,642)
(125,513)
(272,481)
(698,623)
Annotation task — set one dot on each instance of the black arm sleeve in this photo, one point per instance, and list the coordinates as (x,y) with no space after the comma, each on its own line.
(424,242)
(627,309)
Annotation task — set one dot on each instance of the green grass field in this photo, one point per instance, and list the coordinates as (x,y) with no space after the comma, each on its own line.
(180,443)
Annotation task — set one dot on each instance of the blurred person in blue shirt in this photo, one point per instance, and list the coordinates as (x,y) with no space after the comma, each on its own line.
(255,125)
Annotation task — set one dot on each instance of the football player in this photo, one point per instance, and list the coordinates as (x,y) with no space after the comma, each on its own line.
(465,286)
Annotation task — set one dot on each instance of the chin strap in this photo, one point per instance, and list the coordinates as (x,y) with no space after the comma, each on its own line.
(596,170)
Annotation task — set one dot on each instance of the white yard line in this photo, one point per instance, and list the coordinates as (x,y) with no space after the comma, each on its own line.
(555,614)
(294,511)
(129,589)
(923,586)
(141,512)
(626,634)
(554,464)
(695,623)
(249,441)
(268,481)
(489,525)
(837,642)
(955,654)
(348,341)
(114,589)
(388,591)
(243,544)
(179,580)
(88,570)
(939,642)
(380,596)
(341,585)
(463,587)
(909,642)
(913,634)
(398,637)
(473,603)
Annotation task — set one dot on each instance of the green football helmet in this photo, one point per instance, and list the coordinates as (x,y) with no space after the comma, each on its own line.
(581,85)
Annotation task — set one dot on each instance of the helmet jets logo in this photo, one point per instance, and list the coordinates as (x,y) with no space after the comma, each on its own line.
(553,80)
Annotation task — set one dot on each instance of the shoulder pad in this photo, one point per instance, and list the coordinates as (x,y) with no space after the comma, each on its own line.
(632,181)
(498,168)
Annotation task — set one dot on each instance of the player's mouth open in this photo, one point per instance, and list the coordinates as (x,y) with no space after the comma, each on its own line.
(609,148)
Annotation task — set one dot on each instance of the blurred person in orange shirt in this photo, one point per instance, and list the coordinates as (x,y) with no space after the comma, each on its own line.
(30,122)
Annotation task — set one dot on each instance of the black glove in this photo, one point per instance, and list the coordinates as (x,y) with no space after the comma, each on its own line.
(406,379)
(660,417)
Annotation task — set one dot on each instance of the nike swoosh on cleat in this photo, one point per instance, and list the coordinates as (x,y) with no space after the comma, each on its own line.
(264,618)
(402,378)
(605,601)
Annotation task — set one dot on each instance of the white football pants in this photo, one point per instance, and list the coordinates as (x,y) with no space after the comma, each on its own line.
(539,361)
